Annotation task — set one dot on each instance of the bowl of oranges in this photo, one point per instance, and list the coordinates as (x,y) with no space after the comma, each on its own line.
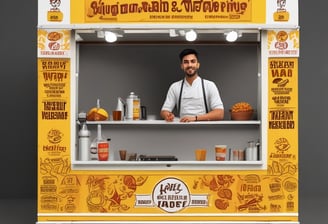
(241,111)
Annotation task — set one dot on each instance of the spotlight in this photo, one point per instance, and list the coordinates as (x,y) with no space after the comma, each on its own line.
(173,33)
(110,37)
(232,36)
(191,35)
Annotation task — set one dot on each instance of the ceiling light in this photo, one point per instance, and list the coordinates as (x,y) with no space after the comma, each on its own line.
(110,37)
(232,36)
(191,35)
(173,33)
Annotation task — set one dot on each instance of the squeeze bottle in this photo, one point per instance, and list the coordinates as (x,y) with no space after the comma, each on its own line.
(84,142)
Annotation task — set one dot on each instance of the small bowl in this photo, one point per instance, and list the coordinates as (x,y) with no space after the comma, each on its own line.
(242,116)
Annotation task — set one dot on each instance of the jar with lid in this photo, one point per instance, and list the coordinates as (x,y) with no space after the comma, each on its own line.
(133,107)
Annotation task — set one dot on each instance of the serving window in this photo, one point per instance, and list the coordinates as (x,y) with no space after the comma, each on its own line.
(108,71)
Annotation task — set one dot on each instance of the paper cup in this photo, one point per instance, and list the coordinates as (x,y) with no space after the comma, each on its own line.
(200,154)
(220,152)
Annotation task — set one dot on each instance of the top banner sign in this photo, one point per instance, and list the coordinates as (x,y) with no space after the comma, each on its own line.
(71,12)
(168,11)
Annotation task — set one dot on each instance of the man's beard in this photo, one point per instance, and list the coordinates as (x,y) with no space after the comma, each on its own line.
(191,74)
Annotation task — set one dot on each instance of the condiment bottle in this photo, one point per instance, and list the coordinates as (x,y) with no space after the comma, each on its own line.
(94,150)
(102,146)
(84,142)
(94,144)
(120,107)
(84,137)
(251,151)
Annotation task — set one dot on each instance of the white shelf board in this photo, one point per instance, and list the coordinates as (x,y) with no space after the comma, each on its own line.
(163,122)
(167,165)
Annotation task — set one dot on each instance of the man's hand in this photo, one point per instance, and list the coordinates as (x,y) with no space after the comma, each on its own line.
(188,119)
(168,116)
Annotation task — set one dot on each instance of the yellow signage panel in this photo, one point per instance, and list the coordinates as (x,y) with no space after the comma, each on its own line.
(168,11)
(283,43)
(54,43)
(53,126)
(216,195)
(283,125)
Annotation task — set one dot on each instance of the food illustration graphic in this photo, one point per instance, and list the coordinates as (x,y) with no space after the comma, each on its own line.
(279,169)
(54,36)
(221,185)
(55,4)
(54,167)
(250,195)
(108,194)
(281,4)
(282,36)
(54,14)
(280,82)
(281,15)
(54,40)
(55,136)
(252,204)
(282,144)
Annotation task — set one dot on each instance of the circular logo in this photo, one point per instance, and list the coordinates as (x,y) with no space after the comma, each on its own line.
(55,136)
(171,195)
(282,36)
(282,144)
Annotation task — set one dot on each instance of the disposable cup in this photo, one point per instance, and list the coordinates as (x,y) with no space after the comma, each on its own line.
(200,154)
(220,152)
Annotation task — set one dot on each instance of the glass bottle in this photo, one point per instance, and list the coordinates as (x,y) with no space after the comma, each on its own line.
(99,147)
(251,151)
(93,149)
(102,146)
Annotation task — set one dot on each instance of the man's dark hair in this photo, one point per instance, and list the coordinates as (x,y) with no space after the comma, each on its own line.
(186,52)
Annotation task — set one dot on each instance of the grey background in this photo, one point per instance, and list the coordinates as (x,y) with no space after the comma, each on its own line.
(18,88)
